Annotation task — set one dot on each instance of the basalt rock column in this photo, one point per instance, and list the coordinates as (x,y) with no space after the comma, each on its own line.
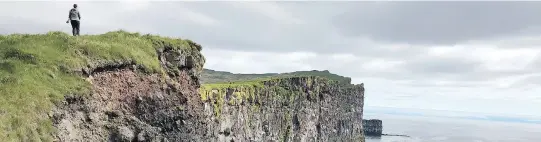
(372,127)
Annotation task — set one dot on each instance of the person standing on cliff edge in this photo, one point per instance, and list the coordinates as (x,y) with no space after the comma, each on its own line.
(74,17)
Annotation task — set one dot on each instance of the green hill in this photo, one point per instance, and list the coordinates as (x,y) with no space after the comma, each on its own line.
(212,76)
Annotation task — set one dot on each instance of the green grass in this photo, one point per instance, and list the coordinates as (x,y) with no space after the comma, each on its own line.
(244,90)
(38,69)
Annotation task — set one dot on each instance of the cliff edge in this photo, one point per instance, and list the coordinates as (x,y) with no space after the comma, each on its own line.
(122,86)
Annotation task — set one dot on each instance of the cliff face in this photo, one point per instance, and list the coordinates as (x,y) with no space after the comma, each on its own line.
(156,95)
(284,109)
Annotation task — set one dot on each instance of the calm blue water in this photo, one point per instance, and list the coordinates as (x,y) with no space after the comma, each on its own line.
(425,127)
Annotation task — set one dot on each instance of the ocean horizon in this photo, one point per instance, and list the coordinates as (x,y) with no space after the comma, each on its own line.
(452,126)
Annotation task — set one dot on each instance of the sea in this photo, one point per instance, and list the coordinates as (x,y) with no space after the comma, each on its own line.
(452,126)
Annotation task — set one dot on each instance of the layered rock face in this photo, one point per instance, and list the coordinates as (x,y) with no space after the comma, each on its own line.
(127,105)
(372,127)
(307,109)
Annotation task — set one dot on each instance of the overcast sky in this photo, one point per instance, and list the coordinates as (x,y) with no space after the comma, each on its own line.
(462,56)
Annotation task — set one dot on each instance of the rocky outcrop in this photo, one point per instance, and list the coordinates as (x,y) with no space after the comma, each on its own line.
(372,127)
(126,104)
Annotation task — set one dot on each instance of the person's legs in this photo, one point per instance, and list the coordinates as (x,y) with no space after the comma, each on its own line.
(73,27)
(78,27)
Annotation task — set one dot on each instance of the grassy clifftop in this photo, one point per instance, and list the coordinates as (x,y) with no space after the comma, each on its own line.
(246,86)
(39,69)
(212,76)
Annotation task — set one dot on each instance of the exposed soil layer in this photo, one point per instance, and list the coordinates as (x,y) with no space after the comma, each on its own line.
(127,106)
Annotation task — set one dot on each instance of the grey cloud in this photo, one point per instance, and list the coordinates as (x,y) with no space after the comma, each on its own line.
(18,25)
(455,85)
(535,64)
(534,80)
(441,66)
(439,22)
